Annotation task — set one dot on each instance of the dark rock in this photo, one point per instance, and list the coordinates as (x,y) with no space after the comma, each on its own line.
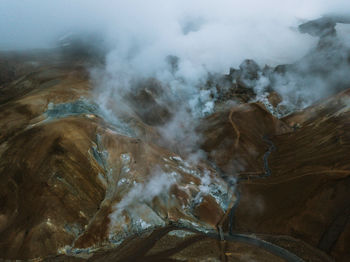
(249,70)
(173,62)
(149,101)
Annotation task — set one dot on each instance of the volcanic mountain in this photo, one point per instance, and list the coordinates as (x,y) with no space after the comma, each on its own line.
(78,185)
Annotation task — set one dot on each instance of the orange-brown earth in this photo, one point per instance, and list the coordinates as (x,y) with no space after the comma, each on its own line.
(75,186)
(306,195)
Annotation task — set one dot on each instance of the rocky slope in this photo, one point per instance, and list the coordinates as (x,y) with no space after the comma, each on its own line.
(72,181)
(78,185)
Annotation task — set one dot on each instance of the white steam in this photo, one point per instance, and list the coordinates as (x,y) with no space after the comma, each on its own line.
(204,36)
(159,183)
(217,34)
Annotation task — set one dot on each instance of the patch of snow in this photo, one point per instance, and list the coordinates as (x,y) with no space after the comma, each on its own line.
(180,233)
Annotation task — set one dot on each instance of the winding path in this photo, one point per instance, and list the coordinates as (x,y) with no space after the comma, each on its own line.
(247,239)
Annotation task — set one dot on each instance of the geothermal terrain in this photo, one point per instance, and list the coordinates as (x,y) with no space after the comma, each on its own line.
(251,176)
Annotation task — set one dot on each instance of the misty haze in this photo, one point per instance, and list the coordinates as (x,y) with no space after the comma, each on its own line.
(180,130)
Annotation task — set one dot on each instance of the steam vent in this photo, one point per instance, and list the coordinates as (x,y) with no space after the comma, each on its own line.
(160,135)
